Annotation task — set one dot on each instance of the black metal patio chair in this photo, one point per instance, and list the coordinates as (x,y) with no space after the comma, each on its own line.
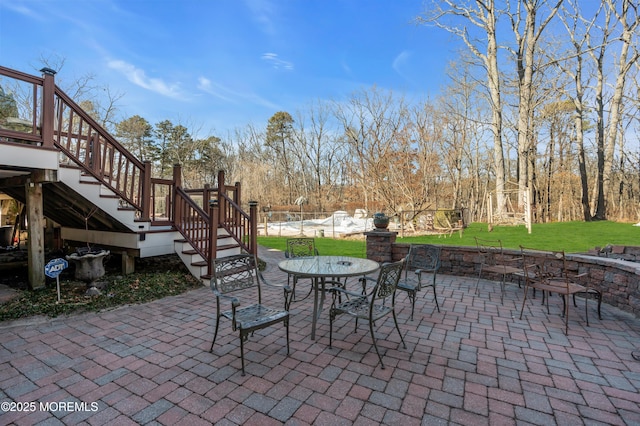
(549,272)
(299,247)
(421,259)
(237,281)
(371,306)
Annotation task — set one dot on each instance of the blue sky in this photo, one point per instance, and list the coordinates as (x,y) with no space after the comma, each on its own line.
(222,64)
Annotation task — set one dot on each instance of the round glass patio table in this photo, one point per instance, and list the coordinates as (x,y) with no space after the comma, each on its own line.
(321,268)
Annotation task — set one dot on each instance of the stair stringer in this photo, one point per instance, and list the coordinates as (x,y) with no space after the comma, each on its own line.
(100,196)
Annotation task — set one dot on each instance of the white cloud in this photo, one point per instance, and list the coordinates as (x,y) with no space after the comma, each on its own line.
(138,77)
(345,67)
(276,62)
(400,61)
(215,89)
(23,10)
(232,96)
(401,64)
(263,12)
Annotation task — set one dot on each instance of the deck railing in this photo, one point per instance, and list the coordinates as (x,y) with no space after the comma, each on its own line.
(87,144)
(45,116)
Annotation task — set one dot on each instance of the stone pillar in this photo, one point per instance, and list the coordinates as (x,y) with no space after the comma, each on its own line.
(380,245)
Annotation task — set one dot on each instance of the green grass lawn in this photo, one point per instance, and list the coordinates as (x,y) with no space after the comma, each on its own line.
(573,237)
(325,246)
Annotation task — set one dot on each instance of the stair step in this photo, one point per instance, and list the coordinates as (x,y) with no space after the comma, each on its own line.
(70,165)
(183,240)
(227,246)
(201,263)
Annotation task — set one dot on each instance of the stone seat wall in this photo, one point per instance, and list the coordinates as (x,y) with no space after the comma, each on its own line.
(631,253)
(618,280)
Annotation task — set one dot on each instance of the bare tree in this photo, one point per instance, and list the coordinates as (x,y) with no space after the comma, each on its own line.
(577,29)
(463,111)
(527,31)
(371,121)
(482,15)
(628,19)
(317,150)
(256,168)
(416,167)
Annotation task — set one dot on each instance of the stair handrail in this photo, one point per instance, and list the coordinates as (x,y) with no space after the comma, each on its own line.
(56,121)
(100,154)
(200,228)
(238,224)
(193,223)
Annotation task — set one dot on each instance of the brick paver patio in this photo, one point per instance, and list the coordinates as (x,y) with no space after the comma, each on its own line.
(475,363)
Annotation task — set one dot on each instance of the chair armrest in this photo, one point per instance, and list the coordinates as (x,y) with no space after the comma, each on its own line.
(419,272)
(233,300)
(336,290)
(508,259)
(366,280)
(288,291)
(286,287)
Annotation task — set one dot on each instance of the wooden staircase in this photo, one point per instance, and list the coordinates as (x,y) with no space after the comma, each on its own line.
(100,193)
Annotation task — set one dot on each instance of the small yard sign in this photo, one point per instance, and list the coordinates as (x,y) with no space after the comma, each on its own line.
(53,270)
(55,267)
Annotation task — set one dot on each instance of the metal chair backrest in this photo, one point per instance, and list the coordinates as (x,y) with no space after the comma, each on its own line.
(387,280)
(544,266)
(301,247)
(235,273)
(491,251)
(560,260)
(425,257)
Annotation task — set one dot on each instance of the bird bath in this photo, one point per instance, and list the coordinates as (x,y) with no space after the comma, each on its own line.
(89,267)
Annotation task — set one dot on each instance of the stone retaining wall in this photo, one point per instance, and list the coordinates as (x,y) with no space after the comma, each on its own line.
(617,280)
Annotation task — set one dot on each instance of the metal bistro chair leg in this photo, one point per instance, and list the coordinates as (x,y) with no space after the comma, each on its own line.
(435,298)
(435,294)
(412,299)
(395,320)
(215,333)
(373,337)
(242,338)
(524,299)
(478,281)
(295,283)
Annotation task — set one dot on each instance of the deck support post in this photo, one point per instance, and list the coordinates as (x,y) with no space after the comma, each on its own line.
(128,263)
(35,240)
